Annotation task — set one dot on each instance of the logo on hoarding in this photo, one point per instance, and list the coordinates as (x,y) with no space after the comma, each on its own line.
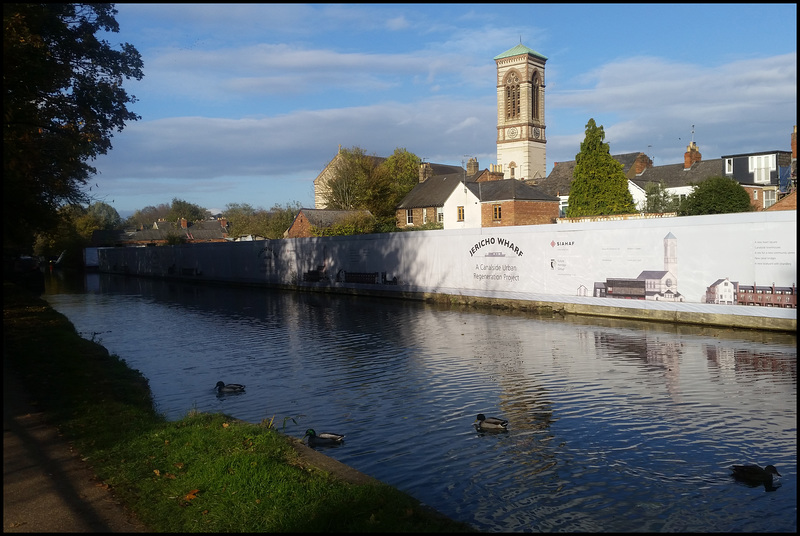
(492,241)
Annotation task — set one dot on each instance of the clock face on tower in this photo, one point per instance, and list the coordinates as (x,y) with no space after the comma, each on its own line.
(536,132)
(513,132)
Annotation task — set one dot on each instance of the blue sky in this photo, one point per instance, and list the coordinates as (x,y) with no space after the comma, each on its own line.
(247,103)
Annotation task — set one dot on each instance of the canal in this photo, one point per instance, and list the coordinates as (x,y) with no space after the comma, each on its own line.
(614,425)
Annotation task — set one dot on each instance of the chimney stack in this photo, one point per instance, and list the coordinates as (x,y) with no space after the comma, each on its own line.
(184,223)
(691,156)
(425,171)
(472,166)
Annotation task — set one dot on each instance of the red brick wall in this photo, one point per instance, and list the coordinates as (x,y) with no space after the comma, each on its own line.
(520,213)
(419,216)
(300,228)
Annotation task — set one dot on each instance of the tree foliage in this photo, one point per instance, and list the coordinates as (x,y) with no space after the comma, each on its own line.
(716,195)
(244,220)
(401,170)
(73,233)
(659,200)
(359,223)
(363,182)
(599,186)
(63,99)
(353,173)
(144,218)
(107,216)
(183,209)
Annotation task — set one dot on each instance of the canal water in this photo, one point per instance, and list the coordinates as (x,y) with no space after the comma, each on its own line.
(614,426)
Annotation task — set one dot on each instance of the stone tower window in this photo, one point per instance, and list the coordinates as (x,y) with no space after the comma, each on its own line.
(512,96)
(535,86)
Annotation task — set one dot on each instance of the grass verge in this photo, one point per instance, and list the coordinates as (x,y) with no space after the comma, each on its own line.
(203,473)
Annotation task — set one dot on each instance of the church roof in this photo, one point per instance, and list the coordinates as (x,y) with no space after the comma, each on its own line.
(517,50)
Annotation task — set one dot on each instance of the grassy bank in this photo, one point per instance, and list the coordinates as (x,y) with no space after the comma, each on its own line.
(203,473)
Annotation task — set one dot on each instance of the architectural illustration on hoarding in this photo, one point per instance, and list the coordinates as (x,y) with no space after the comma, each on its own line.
(727,292)
(658,285)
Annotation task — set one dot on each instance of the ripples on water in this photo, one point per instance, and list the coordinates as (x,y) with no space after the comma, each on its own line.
(615,425)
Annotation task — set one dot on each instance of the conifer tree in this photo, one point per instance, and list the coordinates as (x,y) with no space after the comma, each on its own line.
(599,186)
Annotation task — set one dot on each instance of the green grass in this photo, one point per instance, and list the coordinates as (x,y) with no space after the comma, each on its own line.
(203,473)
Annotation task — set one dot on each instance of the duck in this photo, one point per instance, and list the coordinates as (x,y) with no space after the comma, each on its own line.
(754,474)
(490,424)
(325,439)
(223,387)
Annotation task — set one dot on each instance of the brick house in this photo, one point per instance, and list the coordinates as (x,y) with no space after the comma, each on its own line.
(461,198)
(309,218)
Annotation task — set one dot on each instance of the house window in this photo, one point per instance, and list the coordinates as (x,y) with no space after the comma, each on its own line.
(424,216)
(755,195)
(440,214)
(760,166)
(729,166)
(769,198)
(497,213)
(460,213)
(409,217)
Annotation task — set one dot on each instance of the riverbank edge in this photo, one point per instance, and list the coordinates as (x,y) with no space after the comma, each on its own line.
(549,308)
(41,417)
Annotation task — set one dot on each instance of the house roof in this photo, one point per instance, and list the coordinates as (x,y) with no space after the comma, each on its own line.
(435,190)
(788,202)
(324,218)
(210,230)
(559,180)
(674,175)
(508,189)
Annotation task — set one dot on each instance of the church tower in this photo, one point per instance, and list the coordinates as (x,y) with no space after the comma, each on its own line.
(520,114)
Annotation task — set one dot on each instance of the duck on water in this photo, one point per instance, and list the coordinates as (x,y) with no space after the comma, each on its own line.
(223,387)
(754,475)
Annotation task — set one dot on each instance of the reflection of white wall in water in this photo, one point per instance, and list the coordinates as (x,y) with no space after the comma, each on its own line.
(555,263)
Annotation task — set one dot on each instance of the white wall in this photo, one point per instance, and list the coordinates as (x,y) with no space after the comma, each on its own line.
(462,196)
(556,262)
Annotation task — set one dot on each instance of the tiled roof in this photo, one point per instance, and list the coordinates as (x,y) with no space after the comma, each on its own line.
(674,175)
(324,218)
(202,231)
(788,202)
(508,189)
(435,190)
(559,180)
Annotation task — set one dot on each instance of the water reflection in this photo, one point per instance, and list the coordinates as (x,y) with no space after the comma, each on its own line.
(614,425)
